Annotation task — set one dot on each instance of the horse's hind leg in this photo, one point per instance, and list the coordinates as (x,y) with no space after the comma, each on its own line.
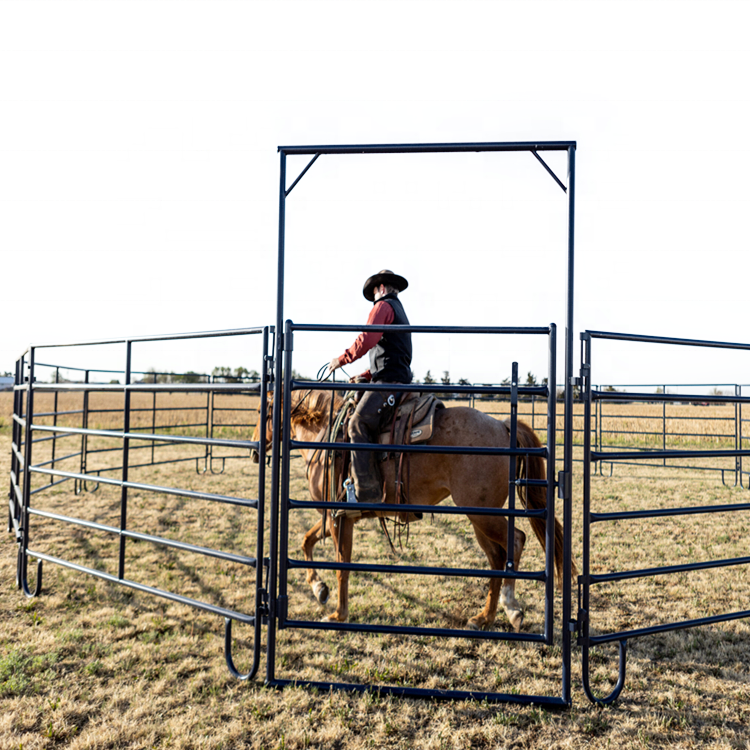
(500,589)
(313,536)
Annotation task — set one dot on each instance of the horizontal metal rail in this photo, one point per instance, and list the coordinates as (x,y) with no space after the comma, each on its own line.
(508,330)
(480,635)
(448,449)
(163,541)
(149,436)
(666,340)
(665,512)
(667,398)
(165,337)
(57,459)
(316,385)
(192,494)
(147,388)
(595,640)
(178,598)
(19,456)
(427,694)
(667,569)
(47,439)
(47,486)
(429,148)
(57,413)
(16,490)
(418,570)
(646,454)
(446,510)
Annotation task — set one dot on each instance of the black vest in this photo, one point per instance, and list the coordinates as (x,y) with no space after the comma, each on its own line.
(390,358)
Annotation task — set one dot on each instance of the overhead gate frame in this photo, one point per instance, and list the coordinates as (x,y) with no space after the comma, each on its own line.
(279,497)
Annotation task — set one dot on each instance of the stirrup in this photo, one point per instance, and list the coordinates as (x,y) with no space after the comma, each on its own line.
(353,513)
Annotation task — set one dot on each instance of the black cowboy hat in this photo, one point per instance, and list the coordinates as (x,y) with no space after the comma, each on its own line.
(383,277)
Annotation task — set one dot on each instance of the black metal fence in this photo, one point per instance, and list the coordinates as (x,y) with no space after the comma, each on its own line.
(647,423)
(594,455)
(25,426)
(208,414)
(287,505)
(24,470)
(655,424)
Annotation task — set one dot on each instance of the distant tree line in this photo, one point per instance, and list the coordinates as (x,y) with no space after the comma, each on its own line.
(218,375)
(531,380)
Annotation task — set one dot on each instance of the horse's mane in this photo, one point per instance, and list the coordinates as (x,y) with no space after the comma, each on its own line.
(312,408)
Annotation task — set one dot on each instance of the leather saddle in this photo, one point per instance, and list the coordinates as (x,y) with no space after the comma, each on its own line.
(413,421)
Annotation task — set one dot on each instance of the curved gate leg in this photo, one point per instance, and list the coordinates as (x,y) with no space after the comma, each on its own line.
(21,573)
(228,652)
(615,694)
(223,464)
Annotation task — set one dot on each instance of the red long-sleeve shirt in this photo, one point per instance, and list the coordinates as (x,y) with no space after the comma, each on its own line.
(381,315)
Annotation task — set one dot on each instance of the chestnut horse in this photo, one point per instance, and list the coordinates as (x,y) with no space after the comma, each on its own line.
(470,479)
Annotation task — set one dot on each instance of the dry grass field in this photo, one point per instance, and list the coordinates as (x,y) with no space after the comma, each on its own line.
(92,665)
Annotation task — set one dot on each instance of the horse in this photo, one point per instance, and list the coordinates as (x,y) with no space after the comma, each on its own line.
(470,479)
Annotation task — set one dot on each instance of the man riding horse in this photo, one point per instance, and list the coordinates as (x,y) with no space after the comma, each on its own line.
(390,362)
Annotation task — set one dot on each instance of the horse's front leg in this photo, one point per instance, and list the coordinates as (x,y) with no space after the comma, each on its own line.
(342,538)
(313,536)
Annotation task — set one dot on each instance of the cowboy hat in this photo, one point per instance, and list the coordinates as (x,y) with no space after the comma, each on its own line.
(383,277)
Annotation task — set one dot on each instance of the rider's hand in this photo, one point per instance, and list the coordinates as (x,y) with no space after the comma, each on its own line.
(333,365)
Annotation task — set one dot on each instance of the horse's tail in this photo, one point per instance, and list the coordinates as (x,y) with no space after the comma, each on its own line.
(535,498)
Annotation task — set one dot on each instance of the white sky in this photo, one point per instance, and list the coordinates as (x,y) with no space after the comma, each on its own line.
(139,176)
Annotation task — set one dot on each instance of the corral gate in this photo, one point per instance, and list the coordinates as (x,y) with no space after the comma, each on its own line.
(23,467)
(282,504)
(590,516)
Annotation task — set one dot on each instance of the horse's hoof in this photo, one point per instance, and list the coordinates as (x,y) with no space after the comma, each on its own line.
(516,620)
(471,625)
(333,618)
(321,592)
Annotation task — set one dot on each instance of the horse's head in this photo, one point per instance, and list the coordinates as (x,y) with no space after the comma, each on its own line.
(266,428)
(309,410)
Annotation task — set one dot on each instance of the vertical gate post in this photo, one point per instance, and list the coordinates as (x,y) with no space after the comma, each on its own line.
(125,459)
(15,432)
(23,562)
(276,426)
(510,551)
(54,419)
(566,494)
(737,437)
(549,624)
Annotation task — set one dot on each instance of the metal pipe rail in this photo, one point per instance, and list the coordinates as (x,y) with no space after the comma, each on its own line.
(196,603)
(429,148)
(158,337)
(476,635)
(422,570)
(667,397)
(192,494)
(445,510)
(146,387)
(166,438)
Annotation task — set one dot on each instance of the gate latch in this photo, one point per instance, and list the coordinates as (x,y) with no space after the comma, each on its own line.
(564,485)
